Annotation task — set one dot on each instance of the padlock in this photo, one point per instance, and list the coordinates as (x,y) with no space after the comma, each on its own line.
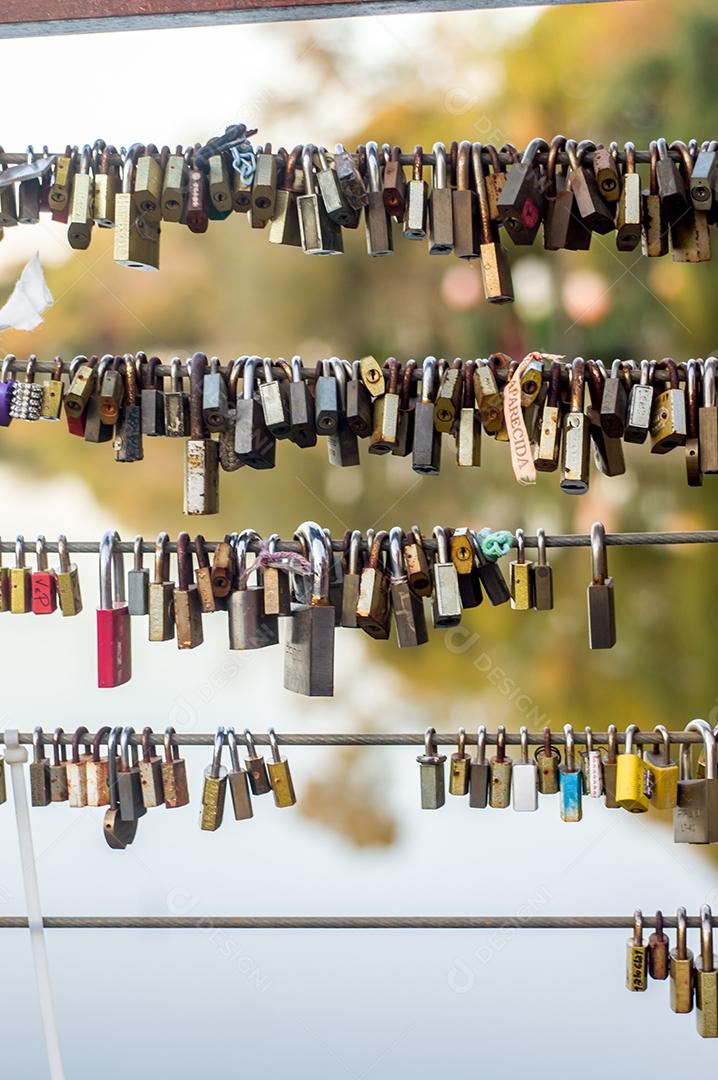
(250,626)
(128,434)
(39,771)
(695,817)
(58,769)
(671,185)
(628,217)
(275,578)
(309,646)
(640,406)
(633,780)
(495,269)
(352,567)
(694,471)
(614,402)
(320,235)
(465,210)
(500,769)
(690,231)
(77,771)
(95,430)
(129,784)
(161,594)
(446,598)
(59,194)
(137,238)
(703,176)
(44,583)
(708,419)
(107,187)
(201,475)
(601,601)
(441,226)
(111,392)
(333,198)
(394,189)
(609,761)
(279,775)
(636,957)
(274,399)
(174,186)
(431,773)
(664,773)
(493,581)
(284,226)
(416,202)
(459,767)
(7,388)
(174,774)
(254,444)
(607,449)
(385,434)
(203,577)
(706,980)
(463,556)
(479,773)
(98,771)
(214,790)
(681,968)
(27,396)
(379,239)
(302,430)
(570,781)
(220,190)
(551,428)
(654,238)
(595,213)
(548,760)
(187,603)
(525,778)
(150,768)
(606,173)
(373,603)
(668,417)
(53,391)
(658,951)
(521,577)
(197,207)
(342,445)
(542,574)
(138,582)
(176,404)
(238,779)
(448,397)
(592,768)
(114,646)
(522,202)
(20,581)
(427,439)
(118,832)
(223,570)
(147,183)
(81,217)
(468,431)
(214,397)
(256,767)
(576,437)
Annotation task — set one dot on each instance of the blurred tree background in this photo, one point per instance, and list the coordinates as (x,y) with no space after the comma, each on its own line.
(604,71)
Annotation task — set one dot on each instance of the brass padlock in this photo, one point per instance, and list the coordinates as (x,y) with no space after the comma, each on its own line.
(521,577)
(636,957)
(668,416)
(279,775)
(137,237)
(215,788)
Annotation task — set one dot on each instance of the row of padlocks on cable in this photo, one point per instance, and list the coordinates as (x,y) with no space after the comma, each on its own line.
(693,978)
(305,199)
(537,406)
(376,582)
(635,779)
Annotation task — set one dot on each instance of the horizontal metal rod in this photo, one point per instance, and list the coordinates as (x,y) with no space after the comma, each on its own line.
(557,540)
(325,922)
(403,738)
(643,157)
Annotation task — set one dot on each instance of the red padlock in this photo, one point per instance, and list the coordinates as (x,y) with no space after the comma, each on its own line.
(114,644)
(44,583)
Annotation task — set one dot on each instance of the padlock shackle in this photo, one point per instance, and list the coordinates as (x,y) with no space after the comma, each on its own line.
(706,938)
(599,558)
(111,565)
(102,733)
(439,172)
(396,552)
(312,537)
(171,749)
(112,765)
(481,745)
(276,753)
(125,744)
(59,753)
(709,743)
(77,738)
(217,753)
(681,934)
(638,927)
(38,745)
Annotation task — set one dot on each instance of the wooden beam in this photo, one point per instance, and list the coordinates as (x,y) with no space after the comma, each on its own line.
(34,18)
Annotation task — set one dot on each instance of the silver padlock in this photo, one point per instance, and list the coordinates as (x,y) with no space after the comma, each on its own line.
(214,397)
(309,648)
(431,773)
(249,626)
(446,599)
(273,398)
(525,778)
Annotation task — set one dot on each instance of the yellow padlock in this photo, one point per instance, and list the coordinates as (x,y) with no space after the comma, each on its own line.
(663,773)
(633,782)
